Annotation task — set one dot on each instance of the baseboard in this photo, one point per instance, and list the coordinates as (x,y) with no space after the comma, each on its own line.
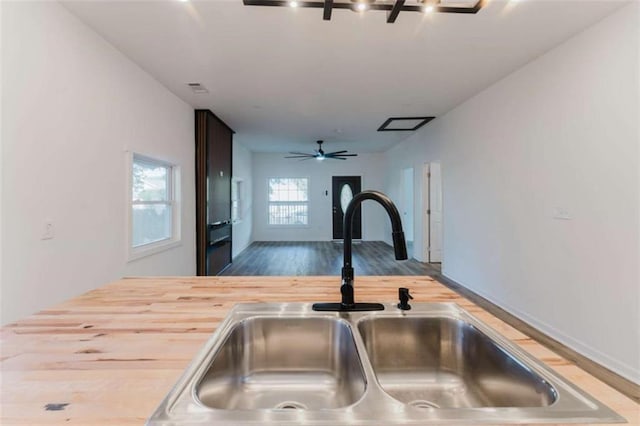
(613,379)
(625,371)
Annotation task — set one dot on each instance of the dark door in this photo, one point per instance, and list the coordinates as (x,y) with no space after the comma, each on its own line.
(343,189)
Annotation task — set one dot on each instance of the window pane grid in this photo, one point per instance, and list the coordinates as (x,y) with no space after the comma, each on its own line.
(151,224)
(288,214)
(151,181)
(288,189)
(152,202)
(288,201)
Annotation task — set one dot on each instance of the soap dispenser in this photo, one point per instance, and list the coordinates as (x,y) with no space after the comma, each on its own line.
(403,294)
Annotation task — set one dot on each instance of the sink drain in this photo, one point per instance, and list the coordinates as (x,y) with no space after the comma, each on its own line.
(423,403)
(290,405)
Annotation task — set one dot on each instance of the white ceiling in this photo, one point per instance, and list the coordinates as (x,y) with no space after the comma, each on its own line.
(283,77)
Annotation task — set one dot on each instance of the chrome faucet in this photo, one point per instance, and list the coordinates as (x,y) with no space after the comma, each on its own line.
(400,247)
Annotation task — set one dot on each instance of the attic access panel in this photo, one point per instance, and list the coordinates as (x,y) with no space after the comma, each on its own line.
(392,7)
(404,124)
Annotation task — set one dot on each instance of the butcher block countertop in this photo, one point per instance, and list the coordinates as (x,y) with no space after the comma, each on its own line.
(110,356)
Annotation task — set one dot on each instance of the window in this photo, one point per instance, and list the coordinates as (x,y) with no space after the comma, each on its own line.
(154,223)
(289,201)
(237,189)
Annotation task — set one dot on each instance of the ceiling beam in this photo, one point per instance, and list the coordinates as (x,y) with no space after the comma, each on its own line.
(328,7)
(395,11)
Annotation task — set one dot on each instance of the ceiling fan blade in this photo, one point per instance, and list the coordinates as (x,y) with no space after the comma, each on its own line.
(336,158)
(300,153)
(342,155)
(336,152)
(300,156)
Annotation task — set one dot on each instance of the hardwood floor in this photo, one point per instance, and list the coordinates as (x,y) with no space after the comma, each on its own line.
(322,258)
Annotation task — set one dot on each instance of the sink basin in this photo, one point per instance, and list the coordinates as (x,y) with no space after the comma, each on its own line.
(284,363)
(448,363)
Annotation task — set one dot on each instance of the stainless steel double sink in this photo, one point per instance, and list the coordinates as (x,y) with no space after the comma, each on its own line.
(286,364)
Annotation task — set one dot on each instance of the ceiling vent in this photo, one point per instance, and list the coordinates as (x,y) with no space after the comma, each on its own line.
(404,124)
(197,88)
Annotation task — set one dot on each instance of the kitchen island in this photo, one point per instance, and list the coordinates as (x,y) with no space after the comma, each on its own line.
(109,356)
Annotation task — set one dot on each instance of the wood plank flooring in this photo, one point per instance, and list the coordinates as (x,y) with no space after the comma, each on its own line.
(292,258)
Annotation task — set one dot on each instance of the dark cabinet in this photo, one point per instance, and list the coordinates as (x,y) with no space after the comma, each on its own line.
(213,193)
(218,171)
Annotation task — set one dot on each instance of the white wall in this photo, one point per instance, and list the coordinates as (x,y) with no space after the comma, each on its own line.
(320,228)
(413,152)
(1,149)
(242,229)
(72,106)
(562,132)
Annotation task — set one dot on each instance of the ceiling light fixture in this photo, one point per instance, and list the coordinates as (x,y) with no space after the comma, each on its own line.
(392,7)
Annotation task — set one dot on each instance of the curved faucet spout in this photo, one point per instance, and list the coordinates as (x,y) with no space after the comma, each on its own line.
(399,244)
(346,288)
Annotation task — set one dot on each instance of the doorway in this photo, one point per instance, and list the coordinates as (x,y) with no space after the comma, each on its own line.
(433,212)
(343,188)
(407,208)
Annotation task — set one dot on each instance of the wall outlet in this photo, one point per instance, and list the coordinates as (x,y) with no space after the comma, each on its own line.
(47,230)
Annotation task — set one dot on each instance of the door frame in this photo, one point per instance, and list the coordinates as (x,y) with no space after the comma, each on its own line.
(426,216)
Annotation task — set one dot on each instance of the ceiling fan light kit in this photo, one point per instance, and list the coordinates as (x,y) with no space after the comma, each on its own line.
(392,7)
(320,155)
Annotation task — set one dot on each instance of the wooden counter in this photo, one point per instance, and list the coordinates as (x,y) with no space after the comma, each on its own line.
(109,356)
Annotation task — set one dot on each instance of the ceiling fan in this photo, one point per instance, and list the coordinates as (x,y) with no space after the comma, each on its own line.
(321,155)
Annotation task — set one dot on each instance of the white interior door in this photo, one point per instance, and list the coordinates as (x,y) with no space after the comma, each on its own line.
(435,213)
(407,203)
